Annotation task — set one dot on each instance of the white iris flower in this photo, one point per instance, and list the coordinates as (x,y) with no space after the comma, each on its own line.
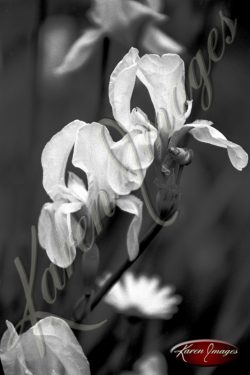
(115,169)
(49,347)
(164,78)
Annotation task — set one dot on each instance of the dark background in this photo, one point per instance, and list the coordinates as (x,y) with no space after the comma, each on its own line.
(205,255)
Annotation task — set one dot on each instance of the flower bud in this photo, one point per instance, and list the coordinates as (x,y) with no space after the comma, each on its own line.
(182,156)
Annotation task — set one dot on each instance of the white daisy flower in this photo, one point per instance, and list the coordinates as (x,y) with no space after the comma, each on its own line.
(143,297)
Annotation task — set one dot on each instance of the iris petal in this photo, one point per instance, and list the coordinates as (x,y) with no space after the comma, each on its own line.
(49,347)
(55,156)
(164,78)
(134,206)
(55,232)
(204,132)
(121,85)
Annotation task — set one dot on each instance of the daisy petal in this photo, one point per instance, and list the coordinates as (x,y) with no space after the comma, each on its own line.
(204,132)
(121,86)
(55,156)
(164,78)
(55,232)
(134,206)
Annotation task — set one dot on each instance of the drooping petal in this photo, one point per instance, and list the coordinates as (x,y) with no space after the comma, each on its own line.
(55,156)
(121,86)
(55,232)
(164,78)
(81,51)
(49,347)
(204,132)
(134,206)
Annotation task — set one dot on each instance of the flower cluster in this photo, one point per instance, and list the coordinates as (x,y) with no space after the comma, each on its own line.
(115,169)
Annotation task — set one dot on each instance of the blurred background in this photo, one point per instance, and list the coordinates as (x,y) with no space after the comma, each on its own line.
(205,255)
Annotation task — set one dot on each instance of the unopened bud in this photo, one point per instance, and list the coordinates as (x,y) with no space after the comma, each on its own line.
(182,156)
(178,136)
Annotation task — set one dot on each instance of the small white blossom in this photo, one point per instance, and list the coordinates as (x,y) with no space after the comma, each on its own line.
(49,347)
(143,297)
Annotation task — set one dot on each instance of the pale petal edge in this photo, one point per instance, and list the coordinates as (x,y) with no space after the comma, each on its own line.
(134,206)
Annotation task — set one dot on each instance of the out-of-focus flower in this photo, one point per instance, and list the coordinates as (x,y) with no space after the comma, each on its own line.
(150,364)
(143,297)
(49,347)
(125,21)
(56,37)
(164,77)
